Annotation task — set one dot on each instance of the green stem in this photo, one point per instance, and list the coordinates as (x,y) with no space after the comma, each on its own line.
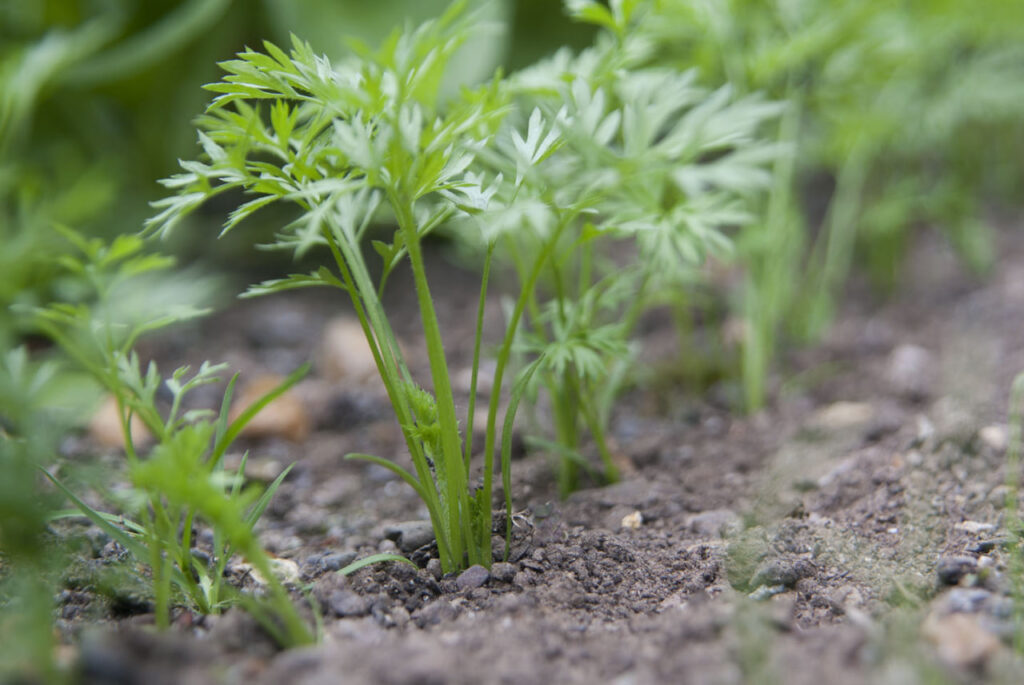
(564,409)
(767,292)
(840,235)
(371,318)
(459,510)
(611,470)
(477,337)
(504,353)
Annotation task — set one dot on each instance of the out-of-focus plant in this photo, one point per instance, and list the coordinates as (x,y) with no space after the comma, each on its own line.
(30,423)
(94,102)
(649,173)
(86,95)
(181,481)
(910,108)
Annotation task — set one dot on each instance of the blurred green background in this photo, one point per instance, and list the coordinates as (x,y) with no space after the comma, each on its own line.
(97,98)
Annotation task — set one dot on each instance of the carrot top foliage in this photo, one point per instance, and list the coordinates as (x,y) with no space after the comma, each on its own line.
(601,181)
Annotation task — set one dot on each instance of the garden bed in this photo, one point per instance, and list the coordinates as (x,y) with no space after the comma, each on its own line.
(851,532)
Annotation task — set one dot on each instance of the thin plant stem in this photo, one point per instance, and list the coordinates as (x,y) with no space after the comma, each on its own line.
(370,319)
(451,452)
(504,353)
(477,337)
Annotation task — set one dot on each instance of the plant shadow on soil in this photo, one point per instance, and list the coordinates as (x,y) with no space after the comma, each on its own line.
(850,533)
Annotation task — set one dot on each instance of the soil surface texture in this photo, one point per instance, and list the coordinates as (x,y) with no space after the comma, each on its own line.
(852,532)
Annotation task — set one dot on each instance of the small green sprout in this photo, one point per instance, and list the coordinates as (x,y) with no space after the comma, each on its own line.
(181,482)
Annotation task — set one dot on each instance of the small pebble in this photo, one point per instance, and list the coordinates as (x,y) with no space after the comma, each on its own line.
(337,560)
(951,570)
(975,527)
(434,568)
(410,535)
(345,354)
(775,572)
(994,436)
(911,371)
(285,417)
(473,577)
(632,521)
(286,570)
(347,603)
(842,415)
(105,427)
(966,600)
(985,546)
(715,523)
(437,611)
(503,571)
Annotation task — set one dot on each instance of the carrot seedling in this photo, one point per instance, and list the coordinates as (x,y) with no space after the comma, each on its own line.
(597,178)
(181,481)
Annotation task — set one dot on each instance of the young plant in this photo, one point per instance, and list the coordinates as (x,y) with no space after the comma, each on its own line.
(638,175)
(29,561)
(876,112)
(540,171)
(181,482)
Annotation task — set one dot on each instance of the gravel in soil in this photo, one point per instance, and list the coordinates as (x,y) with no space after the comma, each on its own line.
(851,533)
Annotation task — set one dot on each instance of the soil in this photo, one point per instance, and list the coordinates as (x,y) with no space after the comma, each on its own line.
(852,532)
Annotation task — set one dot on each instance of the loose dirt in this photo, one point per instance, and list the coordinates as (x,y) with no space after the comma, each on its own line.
(852,532)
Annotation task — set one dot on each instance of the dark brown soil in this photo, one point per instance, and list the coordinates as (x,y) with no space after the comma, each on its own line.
(853,532)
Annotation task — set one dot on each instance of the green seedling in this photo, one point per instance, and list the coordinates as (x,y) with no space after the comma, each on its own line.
(180,482)
(553,170)
(29,430)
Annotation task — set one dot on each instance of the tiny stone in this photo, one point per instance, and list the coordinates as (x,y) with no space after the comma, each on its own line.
(781,572)
(715,523)
(286,416)
(523,579)
(437,611)
(764,592)
(783,610)
(344,353)
(975,527)
(994,436)
(842,415)
(337,560)
(347,603)
(472,577)
(503,572)
(966,600)
(633,521)
(410,535)
(951,569)
(911,371)
(286,570)
(434,568)
(105,427)
(985,546)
